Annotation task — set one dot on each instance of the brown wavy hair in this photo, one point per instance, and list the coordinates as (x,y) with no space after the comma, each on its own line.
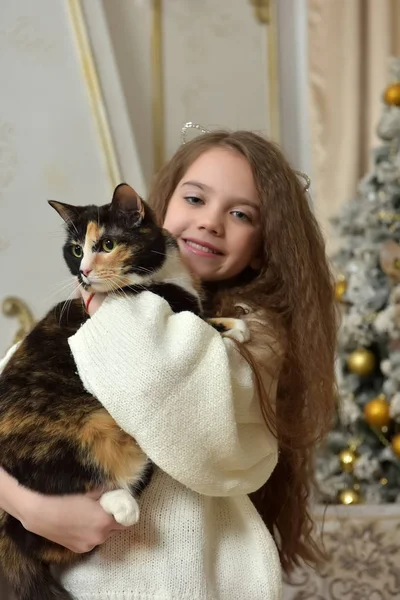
(292,296)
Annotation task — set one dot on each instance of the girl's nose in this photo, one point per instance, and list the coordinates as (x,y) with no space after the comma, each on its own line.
(212,222)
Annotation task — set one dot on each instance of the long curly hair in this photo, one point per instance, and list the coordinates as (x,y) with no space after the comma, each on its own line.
(294,293)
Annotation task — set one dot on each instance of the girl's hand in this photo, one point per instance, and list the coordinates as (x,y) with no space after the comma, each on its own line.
(77,522)
(92,301)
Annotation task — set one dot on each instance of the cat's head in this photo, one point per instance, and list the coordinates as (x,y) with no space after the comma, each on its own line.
(116,245)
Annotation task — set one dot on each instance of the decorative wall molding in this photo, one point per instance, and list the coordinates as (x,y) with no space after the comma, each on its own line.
(262,10)
(95,93)
(266,13)
(157,84)
(16,308)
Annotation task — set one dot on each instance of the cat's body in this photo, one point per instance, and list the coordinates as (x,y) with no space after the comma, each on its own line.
(56,438)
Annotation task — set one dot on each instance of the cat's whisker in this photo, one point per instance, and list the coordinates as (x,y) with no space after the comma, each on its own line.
(118,280)
(144,270)
(123,292)
(69,300)
(160,253)
(63,308)
(68,307)
(61,286)
(61,283)
(117,285)
(109,285)
(59,295)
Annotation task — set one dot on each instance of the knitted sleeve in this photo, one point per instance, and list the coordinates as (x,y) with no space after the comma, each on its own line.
(181,390)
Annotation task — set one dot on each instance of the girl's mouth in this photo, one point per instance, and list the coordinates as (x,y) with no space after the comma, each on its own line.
(201,248)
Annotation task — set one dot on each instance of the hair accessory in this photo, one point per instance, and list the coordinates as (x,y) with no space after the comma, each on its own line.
(191,125)
(306,179)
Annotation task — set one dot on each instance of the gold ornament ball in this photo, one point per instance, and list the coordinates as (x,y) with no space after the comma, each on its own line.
(340,289)
(349,496)
(392,94)
(376,412)
(361,362)
(347,458)
(396,444)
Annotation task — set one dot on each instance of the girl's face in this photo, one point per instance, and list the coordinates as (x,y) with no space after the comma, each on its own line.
(214,213)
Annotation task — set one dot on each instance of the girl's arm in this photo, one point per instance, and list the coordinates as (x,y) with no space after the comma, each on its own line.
(77,522)
(181,390)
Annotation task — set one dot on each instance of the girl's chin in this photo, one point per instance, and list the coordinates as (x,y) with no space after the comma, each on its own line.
(206,275)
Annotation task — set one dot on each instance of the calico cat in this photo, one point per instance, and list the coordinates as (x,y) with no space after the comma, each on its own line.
(55,437)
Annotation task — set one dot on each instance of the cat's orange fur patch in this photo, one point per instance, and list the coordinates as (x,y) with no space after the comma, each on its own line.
(11,424)
(93,232)
(117,452)
(120,256)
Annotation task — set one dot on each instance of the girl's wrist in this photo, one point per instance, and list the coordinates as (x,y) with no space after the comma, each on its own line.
(30,507)
(14,499)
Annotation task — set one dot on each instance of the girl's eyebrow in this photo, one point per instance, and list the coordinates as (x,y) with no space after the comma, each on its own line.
(207,188)
(202,186)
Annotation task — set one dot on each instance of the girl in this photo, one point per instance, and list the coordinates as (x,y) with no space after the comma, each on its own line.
(218,422)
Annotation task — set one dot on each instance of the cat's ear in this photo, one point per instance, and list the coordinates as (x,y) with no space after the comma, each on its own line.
(66,211)
(126,199)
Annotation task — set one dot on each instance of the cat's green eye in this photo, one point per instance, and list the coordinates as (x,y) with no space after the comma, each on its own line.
(108,245)
(77,251)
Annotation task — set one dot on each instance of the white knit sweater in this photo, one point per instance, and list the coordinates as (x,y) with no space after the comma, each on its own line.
(187,396)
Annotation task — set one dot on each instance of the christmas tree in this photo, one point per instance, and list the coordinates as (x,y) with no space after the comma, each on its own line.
(360,461)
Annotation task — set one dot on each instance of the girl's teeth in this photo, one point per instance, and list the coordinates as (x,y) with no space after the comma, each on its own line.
(200,247)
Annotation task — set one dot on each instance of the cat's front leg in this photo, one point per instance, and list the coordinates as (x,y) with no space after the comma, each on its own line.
(122,506)
(235,329)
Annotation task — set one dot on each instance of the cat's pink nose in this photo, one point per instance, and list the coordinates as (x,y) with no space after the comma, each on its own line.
(86,272)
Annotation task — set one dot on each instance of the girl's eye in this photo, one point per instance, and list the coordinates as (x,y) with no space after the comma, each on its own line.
(193,200)
(77,251)
(241,216)
(108,245)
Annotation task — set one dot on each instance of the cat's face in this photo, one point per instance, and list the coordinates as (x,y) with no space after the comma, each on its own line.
(112,246)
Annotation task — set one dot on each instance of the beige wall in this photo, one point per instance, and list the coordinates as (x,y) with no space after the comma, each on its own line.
(129,23)
(214,64)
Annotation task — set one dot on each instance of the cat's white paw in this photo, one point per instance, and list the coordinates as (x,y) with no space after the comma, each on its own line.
(238,330)
(122,506)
